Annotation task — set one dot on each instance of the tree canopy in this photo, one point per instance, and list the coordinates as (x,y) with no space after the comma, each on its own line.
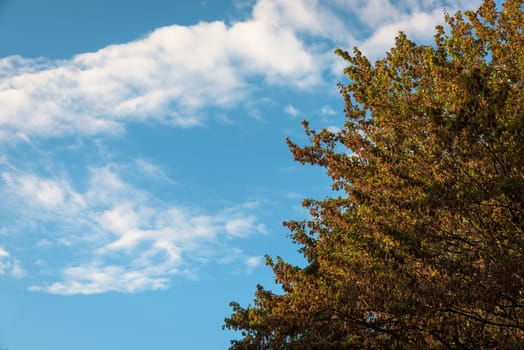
(424,246)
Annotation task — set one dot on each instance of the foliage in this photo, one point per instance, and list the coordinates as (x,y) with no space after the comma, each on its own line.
(425,247)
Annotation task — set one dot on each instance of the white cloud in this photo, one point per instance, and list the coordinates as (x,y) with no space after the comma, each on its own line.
(16,270)
(9,265)
(165,77)
(375,13)
(302,16)
(253,262)
(419,26)
(291,110)
(3,253)
(171,74)
(327,111)
(95,279)
(41,194)
(416,18)
(149,169)
(128,240)
(333,128)
(242,226)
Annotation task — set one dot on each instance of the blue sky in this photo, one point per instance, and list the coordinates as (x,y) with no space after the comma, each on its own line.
(143,167)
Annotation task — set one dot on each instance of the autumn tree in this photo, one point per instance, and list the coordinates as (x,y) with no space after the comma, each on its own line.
(425,247)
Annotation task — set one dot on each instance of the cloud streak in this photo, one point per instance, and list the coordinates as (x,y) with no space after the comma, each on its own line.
(127,239)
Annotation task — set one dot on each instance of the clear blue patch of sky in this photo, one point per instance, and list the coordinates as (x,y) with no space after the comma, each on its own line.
(62,28)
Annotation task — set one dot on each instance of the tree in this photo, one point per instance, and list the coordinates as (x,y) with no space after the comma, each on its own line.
(424,249)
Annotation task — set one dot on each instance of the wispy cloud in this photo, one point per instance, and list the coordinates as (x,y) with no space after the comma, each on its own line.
(94,279)
(127,239)
(9,265)
(327,111)
(253,262)
(333,128)
(291,110)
